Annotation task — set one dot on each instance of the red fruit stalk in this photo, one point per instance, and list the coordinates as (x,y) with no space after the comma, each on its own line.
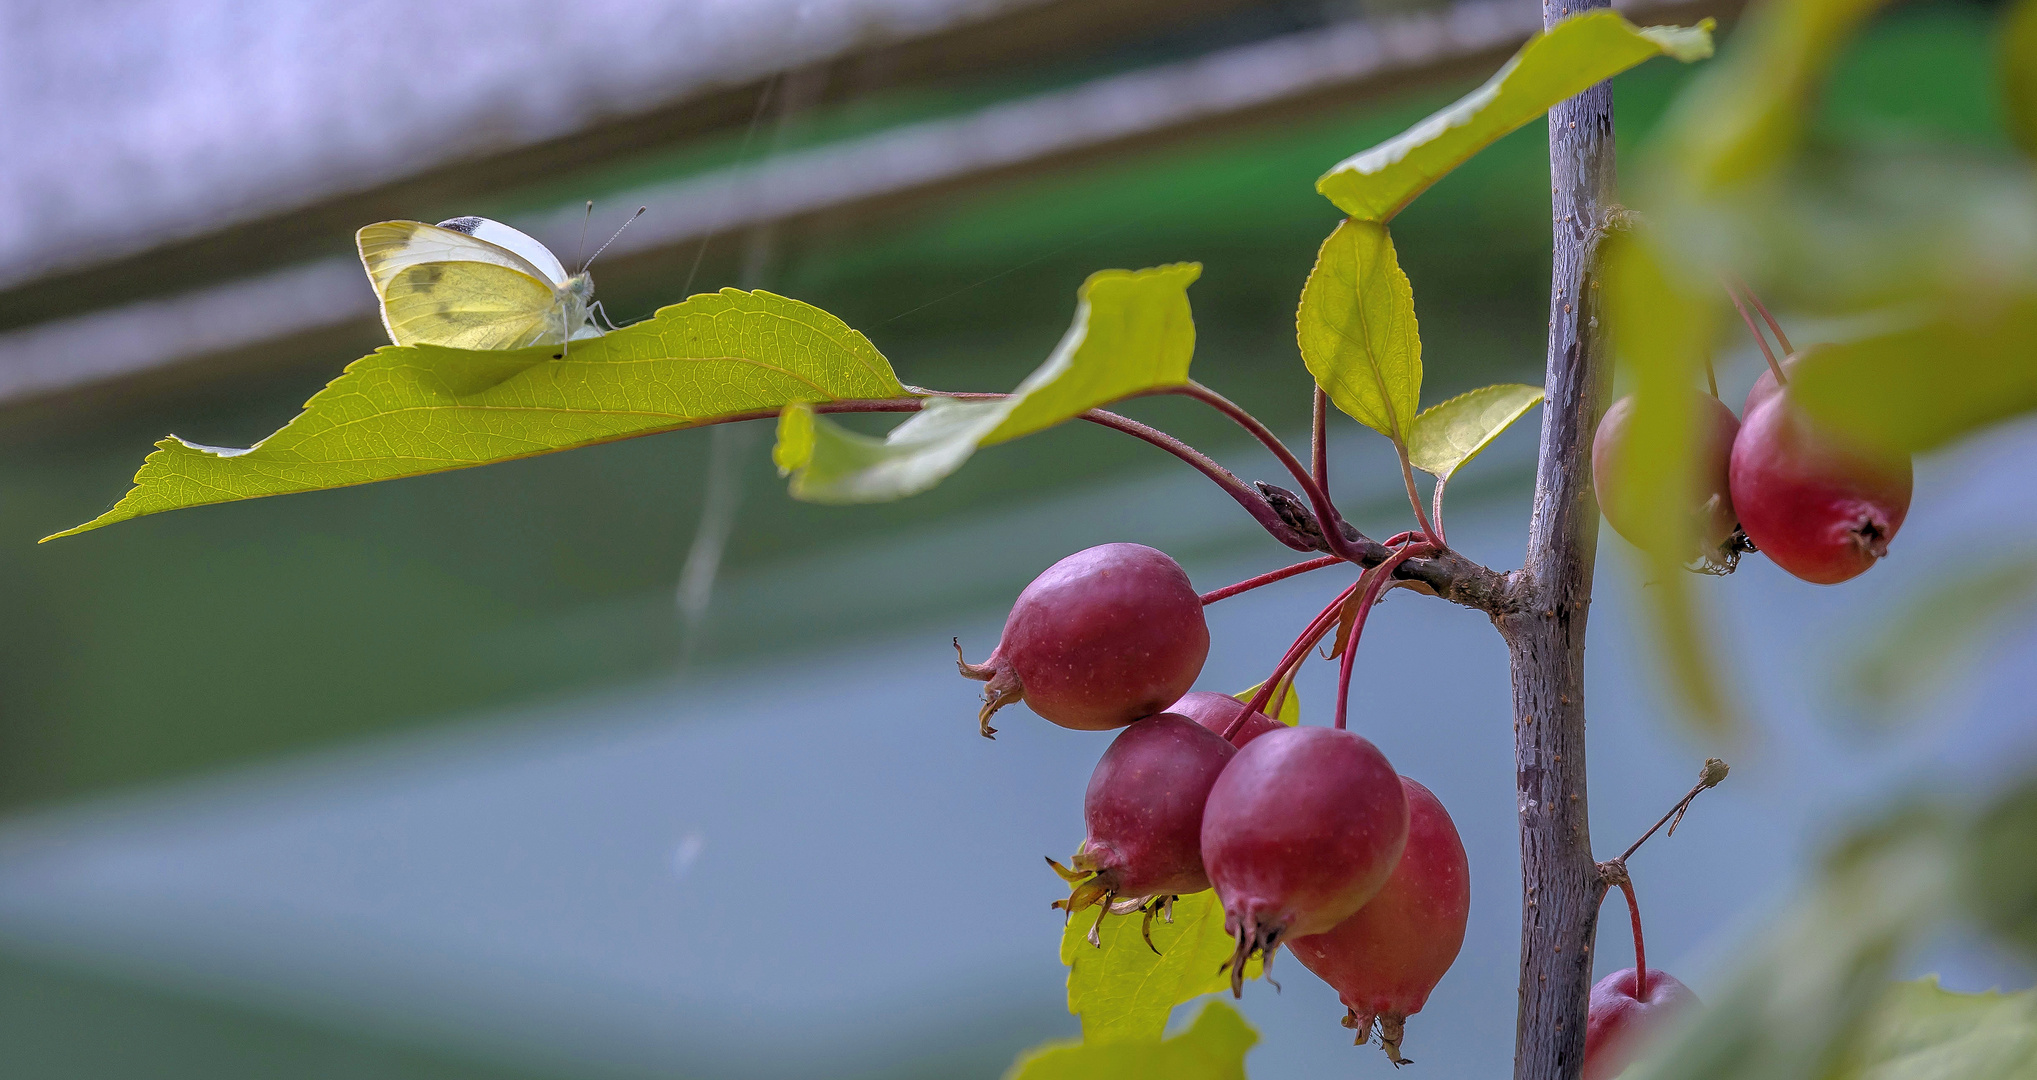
(1823,507)
(1144,810)
(1301,830)
(1384,961)
(1222,713)
(1627,1006)
(1106,636)
(1714,521)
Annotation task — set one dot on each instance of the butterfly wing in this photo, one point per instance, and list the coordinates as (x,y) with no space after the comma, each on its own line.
(442,287)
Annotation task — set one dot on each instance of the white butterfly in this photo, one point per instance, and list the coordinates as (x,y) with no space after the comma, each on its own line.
(472,283)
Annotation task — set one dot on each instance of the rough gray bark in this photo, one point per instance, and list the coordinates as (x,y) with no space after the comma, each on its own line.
(1544,628)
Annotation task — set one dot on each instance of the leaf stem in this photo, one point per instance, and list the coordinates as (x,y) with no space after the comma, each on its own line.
(1319,500)
(1317,627)
(1319,445)
(1375,583)
(1781,338)
(1759,338)
(1640,947)
(1269,578)
(1407,475)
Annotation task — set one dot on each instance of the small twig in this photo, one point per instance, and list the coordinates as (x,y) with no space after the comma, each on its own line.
(1326,513)
(1407,474)
(1714,771)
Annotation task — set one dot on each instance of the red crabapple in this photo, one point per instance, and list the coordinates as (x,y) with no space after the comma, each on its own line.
(1301,830)
(1106,636)
(1384,961)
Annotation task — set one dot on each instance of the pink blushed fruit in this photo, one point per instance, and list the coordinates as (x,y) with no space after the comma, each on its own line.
(1106,636)
(1384,961)
(1301,830)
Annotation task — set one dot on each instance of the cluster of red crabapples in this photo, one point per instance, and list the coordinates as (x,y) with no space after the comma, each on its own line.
(1308,835)
(1819,505)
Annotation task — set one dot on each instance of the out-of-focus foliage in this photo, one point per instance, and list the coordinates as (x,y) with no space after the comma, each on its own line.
(1565,60)
(1811,996)
(1132,333)
(1998,870)
(1925,1032)
(1356,326)
(407,411)
(1925,385)
(1213,1048)
(1123,988)
(1937,636)
(2019,74)
(1928,266)
(1662,336)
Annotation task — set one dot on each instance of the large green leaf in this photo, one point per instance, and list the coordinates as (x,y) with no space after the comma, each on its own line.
(1451,433)
(1213,1048)
(1566,60)
(1659,328)
(1917,388)
(1803,999)
(1356,327)
(2019,74)
(1925,1032)
(1123,988)
(1132,333)
(407,411)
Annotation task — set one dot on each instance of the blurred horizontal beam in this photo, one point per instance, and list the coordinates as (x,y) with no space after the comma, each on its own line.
(1241,85)
(930,42)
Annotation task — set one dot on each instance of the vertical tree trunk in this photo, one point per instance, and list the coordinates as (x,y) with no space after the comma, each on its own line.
(1545,629)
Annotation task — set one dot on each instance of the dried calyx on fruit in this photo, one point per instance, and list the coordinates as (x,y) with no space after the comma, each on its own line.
(1106,636)
(1221,713)
(1716,539)
(1144,811)
(1301,830)
(1820,505)
(1384,961)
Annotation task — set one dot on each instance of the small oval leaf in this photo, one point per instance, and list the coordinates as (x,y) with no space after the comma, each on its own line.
(1356,327)
(1451,433)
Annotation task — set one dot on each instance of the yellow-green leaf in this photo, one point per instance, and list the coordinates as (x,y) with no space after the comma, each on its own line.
(1659,328)
(1122,989)
(1356,327)
(1287,707)
(1132,333)
(1452,433)
(1552,66)
(2019,74)
(1213,1048)
(407,411)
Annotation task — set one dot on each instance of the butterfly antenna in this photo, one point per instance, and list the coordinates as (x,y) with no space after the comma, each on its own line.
(612,239)
(581,248)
